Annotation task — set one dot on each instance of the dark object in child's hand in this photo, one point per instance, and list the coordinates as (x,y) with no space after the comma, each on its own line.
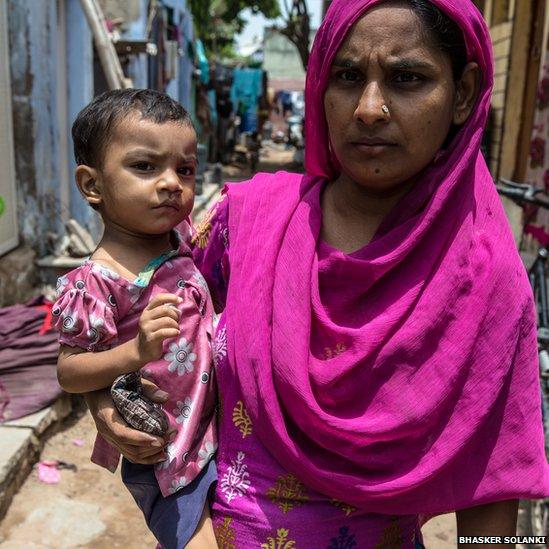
(137,410)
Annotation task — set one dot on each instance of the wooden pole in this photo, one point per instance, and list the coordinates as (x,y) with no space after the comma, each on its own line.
(105,49)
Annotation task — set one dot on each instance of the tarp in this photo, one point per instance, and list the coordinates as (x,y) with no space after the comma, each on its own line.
(28,359)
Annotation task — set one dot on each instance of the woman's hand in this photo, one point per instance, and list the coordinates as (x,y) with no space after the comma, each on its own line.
(493,519)
(135,446)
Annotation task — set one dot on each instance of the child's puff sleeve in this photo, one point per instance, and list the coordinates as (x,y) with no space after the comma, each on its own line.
(85,313)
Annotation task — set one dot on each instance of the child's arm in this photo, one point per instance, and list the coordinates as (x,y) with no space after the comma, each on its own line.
(79,371)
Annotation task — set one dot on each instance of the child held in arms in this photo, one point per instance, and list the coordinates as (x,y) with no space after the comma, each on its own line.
(140,306)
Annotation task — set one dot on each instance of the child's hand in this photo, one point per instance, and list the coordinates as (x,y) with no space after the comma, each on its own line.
(159,321)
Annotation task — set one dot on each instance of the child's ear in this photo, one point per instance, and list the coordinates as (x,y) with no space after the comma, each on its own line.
(86,180)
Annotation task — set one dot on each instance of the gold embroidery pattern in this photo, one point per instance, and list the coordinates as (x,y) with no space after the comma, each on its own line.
(224,534)
(336,351)
(280,542)
(204,229)
(287,493)
(392,536)
(242,420)
(347,509)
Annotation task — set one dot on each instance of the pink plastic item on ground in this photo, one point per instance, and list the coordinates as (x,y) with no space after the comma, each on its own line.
(48,472)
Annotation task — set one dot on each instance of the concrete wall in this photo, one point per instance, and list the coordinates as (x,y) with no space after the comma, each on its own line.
(52,66)
(33,48)
(50,55)
(79,70)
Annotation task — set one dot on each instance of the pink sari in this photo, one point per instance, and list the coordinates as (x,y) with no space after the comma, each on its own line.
(429,400)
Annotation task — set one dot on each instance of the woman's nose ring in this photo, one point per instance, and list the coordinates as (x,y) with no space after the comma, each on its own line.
(385,109)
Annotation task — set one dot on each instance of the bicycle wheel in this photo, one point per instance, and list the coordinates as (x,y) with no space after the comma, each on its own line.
(537,519)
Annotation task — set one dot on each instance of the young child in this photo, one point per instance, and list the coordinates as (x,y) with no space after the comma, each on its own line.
(139,303)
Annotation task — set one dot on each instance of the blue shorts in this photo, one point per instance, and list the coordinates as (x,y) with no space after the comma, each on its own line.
(173,519)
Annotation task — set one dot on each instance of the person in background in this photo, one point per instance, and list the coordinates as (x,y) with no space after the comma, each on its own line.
(254,147)
(225,115)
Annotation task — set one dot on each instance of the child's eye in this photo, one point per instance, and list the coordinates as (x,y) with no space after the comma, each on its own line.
(186,171)
(143,166)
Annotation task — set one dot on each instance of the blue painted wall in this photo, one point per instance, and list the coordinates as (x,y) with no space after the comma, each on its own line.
(79,93)
(33,54)
(33,38)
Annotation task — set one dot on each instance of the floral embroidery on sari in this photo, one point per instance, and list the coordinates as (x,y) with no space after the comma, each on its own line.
(224,534)
(242,420)
(345,540)
(347,509)
(280,542)
(392,536)
(235,481)
(336,351)
(287,493)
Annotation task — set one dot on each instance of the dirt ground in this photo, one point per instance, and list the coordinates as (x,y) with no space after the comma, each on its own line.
(90,508)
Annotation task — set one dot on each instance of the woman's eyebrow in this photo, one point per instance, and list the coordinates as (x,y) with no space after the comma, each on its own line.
(409,64)
(346,62)
(397,64)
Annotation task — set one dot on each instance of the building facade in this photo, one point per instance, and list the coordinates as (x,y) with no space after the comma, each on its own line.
(49,71)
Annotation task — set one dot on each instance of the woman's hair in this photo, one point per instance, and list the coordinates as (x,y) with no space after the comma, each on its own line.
(445,33)
(93,126)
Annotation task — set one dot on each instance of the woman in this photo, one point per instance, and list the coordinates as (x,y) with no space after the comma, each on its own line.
(377,355)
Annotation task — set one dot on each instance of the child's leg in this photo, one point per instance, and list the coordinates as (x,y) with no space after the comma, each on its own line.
(175,519)
(203,537)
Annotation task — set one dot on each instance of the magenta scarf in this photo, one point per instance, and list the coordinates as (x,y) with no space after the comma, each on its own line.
(402,378)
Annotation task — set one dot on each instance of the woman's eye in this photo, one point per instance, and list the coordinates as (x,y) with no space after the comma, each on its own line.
(186,171)
(348,76)
(143,166)
(405,77)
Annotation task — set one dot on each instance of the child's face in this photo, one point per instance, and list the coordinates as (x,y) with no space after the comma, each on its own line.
(146,183)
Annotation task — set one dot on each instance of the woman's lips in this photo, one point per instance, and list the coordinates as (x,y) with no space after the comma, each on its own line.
(372,148)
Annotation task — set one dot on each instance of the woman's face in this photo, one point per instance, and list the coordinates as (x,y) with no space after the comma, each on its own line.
(388,59)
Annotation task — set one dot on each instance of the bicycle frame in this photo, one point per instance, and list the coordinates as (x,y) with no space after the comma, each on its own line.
(537,276)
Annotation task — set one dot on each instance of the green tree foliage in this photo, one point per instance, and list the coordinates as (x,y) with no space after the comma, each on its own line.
(217,22)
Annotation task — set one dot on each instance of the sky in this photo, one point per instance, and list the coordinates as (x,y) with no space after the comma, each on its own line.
(256,23)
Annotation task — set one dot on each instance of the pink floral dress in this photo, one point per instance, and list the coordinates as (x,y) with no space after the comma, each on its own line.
(98,309)
(257,503)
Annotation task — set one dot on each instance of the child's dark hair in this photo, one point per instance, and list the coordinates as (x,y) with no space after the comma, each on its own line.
(93,125)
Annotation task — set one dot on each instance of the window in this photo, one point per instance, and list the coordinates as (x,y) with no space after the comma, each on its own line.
(8,203)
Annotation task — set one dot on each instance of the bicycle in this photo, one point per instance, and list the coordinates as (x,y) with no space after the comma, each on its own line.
(537,511)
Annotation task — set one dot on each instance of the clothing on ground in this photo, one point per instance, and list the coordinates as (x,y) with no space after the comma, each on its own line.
(28,360)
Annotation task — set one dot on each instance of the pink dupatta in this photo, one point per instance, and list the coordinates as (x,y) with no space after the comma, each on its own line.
(430,400)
